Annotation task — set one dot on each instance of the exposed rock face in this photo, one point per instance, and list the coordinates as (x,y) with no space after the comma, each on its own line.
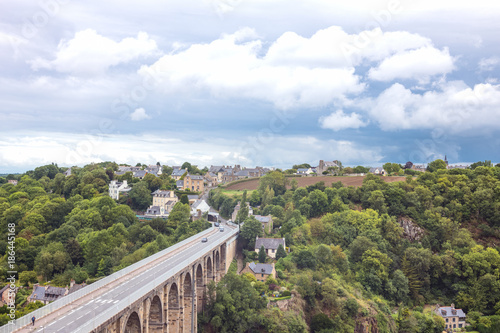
(366,325)
(411,230)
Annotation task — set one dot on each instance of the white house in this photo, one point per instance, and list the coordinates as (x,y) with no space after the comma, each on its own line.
(116,187)
(200,206)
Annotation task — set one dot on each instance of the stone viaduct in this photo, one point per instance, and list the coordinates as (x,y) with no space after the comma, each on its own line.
(173,306)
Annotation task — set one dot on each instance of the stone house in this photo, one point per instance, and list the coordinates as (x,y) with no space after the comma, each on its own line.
(193,183)
(4,294)
(260,271)
(46,294)
(211,179)
(266,221)
(165,200)
(323,166)
(270,245)
(454,319)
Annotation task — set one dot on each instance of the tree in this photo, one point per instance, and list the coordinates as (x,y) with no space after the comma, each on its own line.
(280,253)
(480,163)
(262,254)
(408,165)
(140,196)
(104,267)
(321,323)
(184,199)
(305,259)
(242,213)
(250,230)
(436,165)
(233,305)
(186,165)
(409,271)
(274,180)
(28,277)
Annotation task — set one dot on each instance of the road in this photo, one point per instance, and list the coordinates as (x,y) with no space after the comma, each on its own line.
(74,315)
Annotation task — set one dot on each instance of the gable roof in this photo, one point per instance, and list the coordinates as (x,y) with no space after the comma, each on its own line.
(261,218)
(38,293)
(215,168)
(261,268)
(269,243)
(140,173)
(161,193)
(448,311)
(179,172)
(196,177)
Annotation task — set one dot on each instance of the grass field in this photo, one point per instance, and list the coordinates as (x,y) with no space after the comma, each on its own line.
(355,181)
(233,193)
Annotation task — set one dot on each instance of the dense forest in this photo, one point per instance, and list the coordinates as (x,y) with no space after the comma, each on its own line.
(67,227)
(381,255)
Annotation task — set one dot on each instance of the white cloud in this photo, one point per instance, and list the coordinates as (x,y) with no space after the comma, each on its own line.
(139,114)
(295,71)
(339,120)
(488,64)
(91,53)
(454,107)
(231,67)
(419,64)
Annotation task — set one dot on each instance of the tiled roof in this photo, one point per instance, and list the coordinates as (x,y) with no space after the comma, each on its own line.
(261,218)
(448,311)
(161,193)
(269,243)
(196,177)
(179,172)
(140,173)
(261,268)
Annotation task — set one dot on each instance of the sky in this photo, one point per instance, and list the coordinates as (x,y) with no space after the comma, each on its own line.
(255,83)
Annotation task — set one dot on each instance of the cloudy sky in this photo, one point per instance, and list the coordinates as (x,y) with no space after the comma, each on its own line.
(252,82)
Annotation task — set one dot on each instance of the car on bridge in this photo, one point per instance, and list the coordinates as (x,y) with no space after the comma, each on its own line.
(216,224)
(221,229)
(204,240)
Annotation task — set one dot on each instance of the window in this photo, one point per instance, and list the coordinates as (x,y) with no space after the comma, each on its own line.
(459,325)
(273,250)
(262,275)
(446,319)
(453,319)
(454,325)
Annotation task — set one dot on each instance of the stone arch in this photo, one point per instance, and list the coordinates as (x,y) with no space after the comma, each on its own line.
(173,309)
(200,288)
(210,269)
(187,292)
(133,323)
(155,316)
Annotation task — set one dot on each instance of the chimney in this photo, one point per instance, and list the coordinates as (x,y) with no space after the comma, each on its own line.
(452,306)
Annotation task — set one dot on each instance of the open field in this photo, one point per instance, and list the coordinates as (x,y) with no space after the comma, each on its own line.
(233,193)
(355,181)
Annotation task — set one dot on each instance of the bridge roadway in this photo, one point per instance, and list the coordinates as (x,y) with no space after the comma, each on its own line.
(82,311)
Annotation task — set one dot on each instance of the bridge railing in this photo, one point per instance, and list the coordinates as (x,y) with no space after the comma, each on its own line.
(51,307)
(155,282)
